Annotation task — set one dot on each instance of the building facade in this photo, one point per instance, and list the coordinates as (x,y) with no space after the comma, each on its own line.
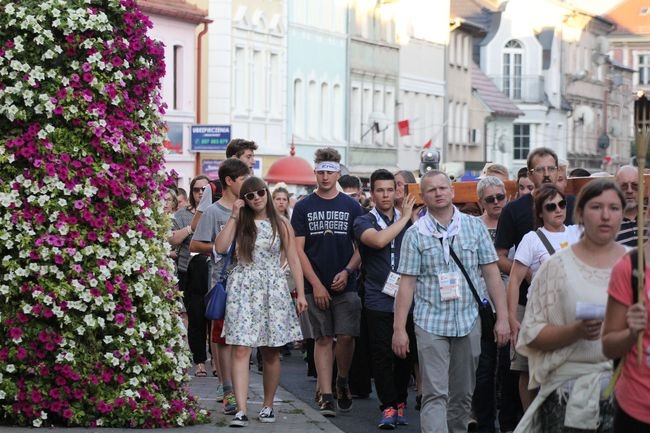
(317,76)
(175,24)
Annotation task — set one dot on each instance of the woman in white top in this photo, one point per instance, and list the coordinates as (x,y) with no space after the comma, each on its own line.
(564,350)
(549,215)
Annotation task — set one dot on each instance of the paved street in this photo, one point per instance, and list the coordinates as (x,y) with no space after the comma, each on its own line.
(365,414)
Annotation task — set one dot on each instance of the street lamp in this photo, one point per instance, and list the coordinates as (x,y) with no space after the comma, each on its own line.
(429,160)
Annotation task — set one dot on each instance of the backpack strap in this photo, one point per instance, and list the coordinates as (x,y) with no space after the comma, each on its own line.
(634,256)
(544,239)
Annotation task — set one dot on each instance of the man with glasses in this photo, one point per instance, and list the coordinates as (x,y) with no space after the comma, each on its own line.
(627,178)
(322,222)
(515,221)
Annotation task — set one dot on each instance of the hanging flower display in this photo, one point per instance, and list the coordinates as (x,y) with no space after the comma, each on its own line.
(89,334)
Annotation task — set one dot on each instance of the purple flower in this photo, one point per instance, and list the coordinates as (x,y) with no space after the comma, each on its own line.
(15,333)
(21,353)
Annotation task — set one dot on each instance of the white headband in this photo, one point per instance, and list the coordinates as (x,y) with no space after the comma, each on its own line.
(328,166)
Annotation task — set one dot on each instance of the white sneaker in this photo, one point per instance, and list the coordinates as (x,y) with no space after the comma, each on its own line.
(266,414)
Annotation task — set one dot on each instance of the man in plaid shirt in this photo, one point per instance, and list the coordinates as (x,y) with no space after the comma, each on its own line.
(446,313)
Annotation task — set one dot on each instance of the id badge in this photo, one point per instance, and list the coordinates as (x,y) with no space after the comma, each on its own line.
(391,285)
(449,286)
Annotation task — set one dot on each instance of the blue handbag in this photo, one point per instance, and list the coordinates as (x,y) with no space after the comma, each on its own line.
(215,299)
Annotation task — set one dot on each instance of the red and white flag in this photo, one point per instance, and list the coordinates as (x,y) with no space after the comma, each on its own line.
(403,127)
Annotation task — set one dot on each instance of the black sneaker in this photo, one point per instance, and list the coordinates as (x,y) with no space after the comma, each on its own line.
(343,397)
(326,408)
(240,420)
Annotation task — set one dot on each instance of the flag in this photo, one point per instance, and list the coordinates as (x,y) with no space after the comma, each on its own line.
(427,145)
(403,126)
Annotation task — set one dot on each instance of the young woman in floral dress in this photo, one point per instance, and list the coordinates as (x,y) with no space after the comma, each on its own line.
(259,311)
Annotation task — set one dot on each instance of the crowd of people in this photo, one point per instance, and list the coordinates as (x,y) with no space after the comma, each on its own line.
(507,312)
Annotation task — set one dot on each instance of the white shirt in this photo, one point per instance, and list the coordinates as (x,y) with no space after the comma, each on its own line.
(531,252)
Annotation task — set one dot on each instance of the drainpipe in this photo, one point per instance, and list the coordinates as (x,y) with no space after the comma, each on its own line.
(199,46)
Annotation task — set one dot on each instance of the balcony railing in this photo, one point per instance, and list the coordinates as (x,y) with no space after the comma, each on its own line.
(521,89)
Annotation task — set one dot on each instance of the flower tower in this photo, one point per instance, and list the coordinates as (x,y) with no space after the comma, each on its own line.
(89,334)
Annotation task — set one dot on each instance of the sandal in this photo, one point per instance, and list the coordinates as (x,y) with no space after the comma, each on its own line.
(199,370)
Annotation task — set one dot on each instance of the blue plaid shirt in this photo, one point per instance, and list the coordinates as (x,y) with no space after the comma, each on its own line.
(422,256)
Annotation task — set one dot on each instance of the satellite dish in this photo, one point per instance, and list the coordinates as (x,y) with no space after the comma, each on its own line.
(379,121)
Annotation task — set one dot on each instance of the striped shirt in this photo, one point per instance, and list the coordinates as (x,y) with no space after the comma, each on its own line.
(628,235)
(422,256)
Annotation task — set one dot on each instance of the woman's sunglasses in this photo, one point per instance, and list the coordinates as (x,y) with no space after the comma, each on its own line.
(550,207)
(494,198)
(250,196)
(197,189)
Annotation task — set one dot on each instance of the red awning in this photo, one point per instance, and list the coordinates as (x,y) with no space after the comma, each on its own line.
(292,170)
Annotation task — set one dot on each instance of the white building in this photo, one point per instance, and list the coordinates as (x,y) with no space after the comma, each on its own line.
(175,24)
(246,75)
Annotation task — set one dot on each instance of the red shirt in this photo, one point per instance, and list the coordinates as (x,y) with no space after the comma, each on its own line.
(633,386)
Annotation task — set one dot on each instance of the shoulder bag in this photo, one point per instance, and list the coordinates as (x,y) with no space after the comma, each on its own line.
(488,318)
(215,299)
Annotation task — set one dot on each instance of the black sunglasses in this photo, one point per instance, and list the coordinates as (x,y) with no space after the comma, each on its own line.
(250,196)
(197,188)
(491,199)
(550,207)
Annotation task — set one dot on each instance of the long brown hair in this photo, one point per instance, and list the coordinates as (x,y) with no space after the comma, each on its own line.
(246,233)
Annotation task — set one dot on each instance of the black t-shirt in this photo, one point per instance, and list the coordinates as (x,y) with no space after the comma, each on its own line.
(515,221)
(326,225)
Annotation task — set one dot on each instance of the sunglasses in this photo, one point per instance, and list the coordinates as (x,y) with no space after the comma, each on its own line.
(550,207)
(250,196)
(494,198)
(197,189)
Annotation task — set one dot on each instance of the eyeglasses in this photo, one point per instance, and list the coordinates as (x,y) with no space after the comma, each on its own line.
(491,199)
(630,185)
(197,189)
(542,170)
(250,196)
(550,207)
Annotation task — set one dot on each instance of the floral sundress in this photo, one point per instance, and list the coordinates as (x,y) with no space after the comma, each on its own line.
(259,309)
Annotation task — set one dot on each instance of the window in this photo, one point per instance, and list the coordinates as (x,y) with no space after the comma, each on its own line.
(239,80)
(338,112)
(314,104)
(644,68)
(389,110)
(355,115)
(178,77)
(298,108)
(451,125)
(512,68)
(521,141)
(257,83)
(273,85)
(325,110)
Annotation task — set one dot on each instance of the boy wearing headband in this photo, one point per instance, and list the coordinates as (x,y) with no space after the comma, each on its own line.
(322,222)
